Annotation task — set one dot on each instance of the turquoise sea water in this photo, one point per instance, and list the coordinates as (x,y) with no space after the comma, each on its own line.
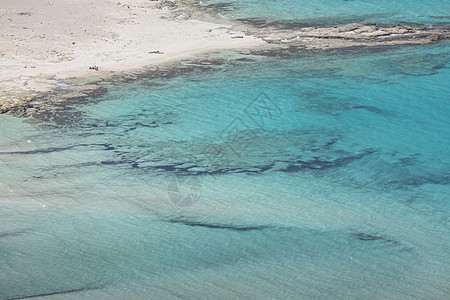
(320,12)
(290,175)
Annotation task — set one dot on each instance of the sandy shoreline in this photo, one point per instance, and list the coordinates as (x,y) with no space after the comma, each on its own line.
(42,43)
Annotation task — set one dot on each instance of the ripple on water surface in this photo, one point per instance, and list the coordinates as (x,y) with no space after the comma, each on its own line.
(319,175)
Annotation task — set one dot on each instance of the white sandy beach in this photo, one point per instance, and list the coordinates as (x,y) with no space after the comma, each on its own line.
(43,41)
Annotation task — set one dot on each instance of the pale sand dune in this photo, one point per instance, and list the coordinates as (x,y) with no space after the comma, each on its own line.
(45,40)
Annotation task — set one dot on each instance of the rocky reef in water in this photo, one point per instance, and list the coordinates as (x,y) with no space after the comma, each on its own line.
(350,35)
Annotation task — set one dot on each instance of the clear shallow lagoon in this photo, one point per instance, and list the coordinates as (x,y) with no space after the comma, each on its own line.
(320,12)
(315,175)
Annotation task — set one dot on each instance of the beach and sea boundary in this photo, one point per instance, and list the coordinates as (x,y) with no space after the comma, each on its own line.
(57,51)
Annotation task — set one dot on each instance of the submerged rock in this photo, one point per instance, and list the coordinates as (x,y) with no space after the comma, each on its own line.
(350,35)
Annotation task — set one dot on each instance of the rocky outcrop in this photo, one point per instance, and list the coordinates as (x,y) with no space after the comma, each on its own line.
(351,35)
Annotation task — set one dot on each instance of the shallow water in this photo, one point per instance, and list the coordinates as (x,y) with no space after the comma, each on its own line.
(312,174)
(324,12)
